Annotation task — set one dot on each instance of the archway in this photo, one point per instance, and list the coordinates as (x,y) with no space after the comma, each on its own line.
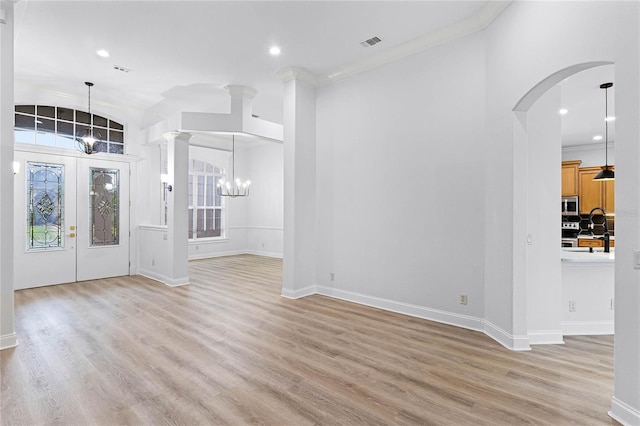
(536,167)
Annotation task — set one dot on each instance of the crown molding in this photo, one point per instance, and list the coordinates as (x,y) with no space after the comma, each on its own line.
(472,24)
(582,147)
(240,91)
(295,73)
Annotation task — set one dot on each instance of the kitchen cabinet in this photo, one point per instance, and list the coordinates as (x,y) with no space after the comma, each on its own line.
(570,177)
(588,242)
(595,193)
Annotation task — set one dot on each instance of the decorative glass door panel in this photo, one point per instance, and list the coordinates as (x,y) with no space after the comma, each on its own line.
(71,219)
(105,204)
(45,219)
(103,219)
(45,206)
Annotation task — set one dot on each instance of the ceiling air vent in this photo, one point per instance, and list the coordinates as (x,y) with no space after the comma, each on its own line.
(122,69)
(370,42)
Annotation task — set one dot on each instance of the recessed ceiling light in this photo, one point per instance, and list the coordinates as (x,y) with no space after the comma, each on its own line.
(597,138)
(274,50)
(563,111)
(102,53)
(610,118)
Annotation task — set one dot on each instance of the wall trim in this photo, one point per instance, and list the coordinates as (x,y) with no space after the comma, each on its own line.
(265,253)
(449,33)
(546,337)
(509,341)
(8,341)
(515,343)
(464,321)
(219,254)
(299,293)
(624,413)
(171,282)
(586,328)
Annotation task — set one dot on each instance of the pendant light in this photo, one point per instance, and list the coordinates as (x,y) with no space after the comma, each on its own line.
(607,172)
(87,141)
(235,187)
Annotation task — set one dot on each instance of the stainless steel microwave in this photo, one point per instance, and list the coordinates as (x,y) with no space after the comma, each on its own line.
(570,206)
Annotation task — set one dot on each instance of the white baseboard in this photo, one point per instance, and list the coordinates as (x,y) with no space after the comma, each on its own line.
(171,282)
(234,253)
(8,341)
(508,340)
(265,253)
(587,328)
(217,254)
(459,320)
(624,413)
(546,337)
(515,343)
(297,294)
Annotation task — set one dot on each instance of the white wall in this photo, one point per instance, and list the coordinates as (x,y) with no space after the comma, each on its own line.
(544,284)
(401,186)
(527,43)
(253,224)
(590,286)
(265,205)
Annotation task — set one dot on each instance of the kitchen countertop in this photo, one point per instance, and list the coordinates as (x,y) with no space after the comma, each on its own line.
(582,255)
(591,237)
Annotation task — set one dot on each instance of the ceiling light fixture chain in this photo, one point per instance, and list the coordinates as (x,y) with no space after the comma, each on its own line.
(607,172)
(235,187)
(87,141)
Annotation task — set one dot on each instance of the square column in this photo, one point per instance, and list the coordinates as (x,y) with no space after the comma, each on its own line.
(177,207)
(7,317)
(299,260)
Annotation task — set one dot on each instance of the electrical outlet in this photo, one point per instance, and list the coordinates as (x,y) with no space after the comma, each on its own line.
(332,276)
(463,299)
(153,262)
(611,306)
(572,305)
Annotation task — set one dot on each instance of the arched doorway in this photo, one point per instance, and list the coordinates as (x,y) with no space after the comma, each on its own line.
(537,135)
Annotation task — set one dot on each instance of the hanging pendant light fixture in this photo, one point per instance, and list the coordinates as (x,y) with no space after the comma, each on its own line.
(607,172)
(235,187)
(87,141)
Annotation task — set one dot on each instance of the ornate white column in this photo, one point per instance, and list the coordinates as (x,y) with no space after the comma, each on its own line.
(7,318)
(177,208)
(299,260)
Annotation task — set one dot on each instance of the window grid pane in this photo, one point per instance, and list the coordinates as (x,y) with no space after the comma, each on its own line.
(205,217)
(61,127)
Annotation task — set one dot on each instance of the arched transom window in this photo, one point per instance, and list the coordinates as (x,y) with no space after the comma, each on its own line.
(61,127)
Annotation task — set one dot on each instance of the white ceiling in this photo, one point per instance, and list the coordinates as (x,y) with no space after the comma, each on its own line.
(182,53)
(585,101)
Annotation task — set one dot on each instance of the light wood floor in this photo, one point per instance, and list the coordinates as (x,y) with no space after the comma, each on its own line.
(227,349)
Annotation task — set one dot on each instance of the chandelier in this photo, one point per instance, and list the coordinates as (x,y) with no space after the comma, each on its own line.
(235,187)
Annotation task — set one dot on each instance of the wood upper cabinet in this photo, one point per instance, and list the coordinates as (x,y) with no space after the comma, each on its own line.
(595,193)
(570,177)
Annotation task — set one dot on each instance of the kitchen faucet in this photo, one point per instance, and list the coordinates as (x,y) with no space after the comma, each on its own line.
(607,239)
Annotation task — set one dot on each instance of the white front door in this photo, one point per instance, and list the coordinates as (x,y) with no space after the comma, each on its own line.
(71,219)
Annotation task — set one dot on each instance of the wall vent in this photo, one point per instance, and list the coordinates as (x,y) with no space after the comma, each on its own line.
(370,42)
